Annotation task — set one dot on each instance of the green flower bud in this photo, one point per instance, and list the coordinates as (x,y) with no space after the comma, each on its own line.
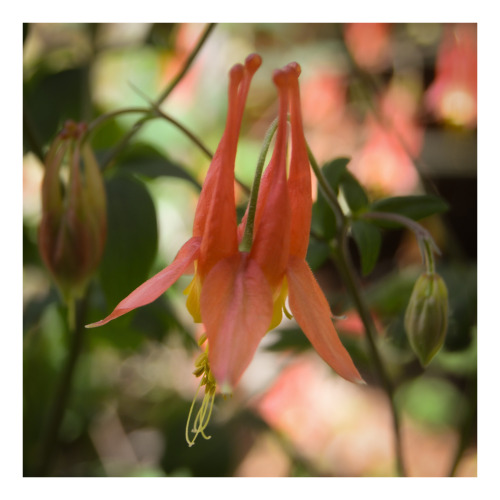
(426,317)
(72,231)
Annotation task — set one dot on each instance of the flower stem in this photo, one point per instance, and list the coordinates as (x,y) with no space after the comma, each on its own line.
(246,241)
(186,132)
(63,390)
(138,125)
(346,268)
(425,241)
(187,64)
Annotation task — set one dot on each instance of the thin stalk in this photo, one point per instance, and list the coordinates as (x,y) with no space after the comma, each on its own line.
(347,270)
(138,125)
(190,135)
(106,116)
(330,195)
(426,242)
(63,390)
(246,242)
(420,232)
(187,64)
(186,132)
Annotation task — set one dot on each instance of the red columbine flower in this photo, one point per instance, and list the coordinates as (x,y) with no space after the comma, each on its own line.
(239,287)
(72,231)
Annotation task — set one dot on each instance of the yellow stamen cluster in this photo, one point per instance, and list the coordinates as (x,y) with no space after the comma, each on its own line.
(202,369)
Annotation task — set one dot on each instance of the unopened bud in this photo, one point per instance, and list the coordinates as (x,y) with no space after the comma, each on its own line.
(72,231)
(426,317)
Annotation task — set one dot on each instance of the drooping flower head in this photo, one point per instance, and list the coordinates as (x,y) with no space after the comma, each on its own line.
(239,288)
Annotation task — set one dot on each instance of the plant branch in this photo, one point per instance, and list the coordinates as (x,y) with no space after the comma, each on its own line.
(187,64)
(346,268)
(138,125)
(63,390)
(246,242)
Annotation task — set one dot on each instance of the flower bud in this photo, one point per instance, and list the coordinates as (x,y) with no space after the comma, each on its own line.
(72,231)
(426,317)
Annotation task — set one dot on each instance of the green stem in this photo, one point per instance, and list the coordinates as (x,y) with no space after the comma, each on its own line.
(425,241)
(138,125)
(112,114)
(186,132)
(63,390)
(353,286)
(347,270)
(246,241)
(187,64)
(330,195)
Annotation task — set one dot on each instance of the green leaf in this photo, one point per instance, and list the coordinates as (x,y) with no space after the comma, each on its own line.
(334,171)
(145,160)
(323,218)
(354,193)
(414,207)
(368,240)
(132,238)
(338,176)
(50,99)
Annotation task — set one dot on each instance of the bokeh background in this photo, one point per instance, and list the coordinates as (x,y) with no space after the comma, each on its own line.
(401,101)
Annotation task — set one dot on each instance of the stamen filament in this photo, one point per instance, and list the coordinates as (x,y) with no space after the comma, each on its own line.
(202,418)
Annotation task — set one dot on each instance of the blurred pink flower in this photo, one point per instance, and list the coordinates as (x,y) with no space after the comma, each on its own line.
(331,129)
(384,163)
(368,44)
(452,97)
(341,428)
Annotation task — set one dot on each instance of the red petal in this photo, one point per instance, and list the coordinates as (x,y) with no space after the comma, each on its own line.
(271,243)
(312,312)
(158,284)
(236,308)
(299,180)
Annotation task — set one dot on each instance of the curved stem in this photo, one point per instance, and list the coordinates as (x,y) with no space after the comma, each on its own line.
(330,196)
(63,390)
(137,126)
(420,232)
(426,242)
(246,241)
(106,116)
(346,268)
(186,132)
